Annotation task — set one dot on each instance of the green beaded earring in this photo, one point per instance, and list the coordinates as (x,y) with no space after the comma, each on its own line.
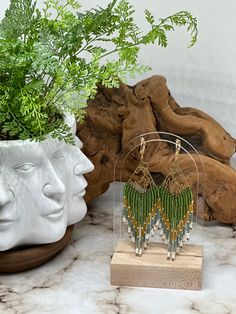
(176,210)
(141,204)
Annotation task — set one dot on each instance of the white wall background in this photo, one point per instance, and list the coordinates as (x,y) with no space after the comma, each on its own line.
(203,76)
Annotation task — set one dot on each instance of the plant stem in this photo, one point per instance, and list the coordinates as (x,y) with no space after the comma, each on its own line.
(117,49)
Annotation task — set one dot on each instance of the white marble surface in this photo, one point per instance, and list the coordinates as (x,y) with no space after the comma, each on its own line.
(78,279)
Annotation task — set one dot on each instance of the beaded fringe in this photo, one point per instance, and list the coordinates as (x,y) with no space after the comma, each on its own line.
(158,208)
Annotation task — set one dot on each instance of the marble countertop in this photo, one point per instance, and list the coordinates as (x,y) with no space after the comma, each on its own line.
(78,279)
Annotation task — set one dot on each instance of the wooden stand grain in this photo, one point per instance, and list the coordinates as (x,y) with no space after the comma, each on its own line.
(153,269)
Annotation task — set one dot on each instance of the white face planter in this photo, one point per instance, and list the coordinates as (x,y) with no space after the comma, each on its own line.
(41,190)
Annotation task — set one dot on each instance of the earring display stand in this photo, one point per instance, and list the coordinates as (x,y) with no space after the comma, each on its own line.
(151,267)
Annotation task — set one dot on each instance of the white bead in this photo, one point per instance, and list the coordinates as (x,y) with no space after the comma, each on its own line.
(168,255)
(173,256)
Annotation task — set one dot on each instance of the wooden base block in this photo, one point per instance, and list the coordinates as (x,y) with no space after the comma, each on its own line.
(152,269)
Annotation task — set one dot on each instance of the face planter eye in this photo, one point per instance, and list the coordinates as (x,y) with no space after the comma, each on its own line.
(58,155)
(24,167)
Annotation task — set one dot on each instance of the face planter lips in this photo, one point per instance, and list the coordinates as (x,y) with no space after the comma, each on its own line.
(56,214)
(81,193)
(6,223)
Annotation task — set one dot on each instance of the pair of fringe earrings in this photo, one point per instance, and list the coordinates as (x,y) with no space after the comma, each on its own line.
(148,207)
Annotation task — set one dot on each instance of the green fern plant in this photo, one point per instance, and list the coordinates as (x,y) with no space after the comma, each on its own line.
(52,60)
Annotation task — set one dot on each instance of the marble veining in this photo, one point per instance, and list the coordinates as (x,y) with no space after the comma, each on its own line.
(78,279)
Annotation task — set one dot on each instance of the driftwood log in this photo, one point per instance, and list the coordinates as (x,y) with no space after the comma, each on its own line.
(117,116)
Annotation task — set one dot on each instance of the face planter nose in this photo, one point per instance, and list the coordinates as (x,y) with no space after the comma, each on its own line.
(6,196)
(7,217)
(83,166)
(54,188)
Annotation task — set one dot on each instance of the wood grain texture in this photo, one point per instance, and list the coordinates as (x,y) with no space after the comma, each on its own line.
(118,115)
(22,259)
(153,269)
